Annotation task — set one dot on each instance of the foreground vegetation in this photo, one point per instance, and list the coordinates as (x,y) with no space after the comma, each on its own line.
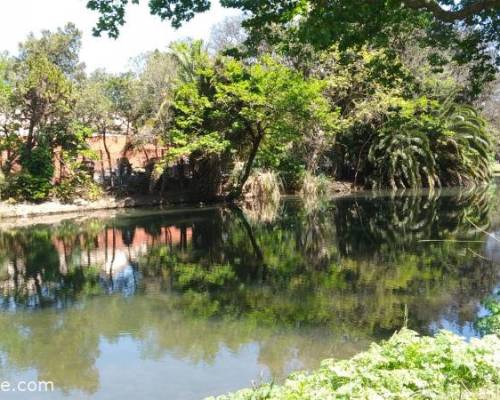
(406,366)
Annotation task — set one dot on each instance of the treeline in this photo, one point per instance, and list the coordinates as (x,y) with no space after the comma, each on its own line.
(235,111)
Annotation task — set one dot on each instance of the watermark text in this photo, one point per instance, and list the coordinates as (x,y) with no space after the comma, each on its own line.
(27,386)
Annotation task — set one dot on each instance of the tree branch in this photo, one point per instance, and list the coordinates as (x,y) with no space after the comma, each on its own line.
(445,15)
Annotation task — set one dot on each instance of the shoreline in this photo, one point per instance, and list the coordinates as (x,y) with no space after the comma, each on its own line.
(53,211)
(25,210)
(12,212)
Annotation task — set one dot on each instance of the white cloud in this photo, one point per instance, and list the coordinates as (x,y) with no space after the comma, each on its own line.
(141,33)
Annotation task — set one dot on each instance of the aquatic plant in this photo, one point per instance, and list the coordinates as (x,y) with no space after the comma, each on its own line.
(263,186)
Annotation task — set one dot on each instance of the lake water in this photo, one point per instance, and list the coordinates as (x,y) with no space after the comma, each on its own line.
(198,302)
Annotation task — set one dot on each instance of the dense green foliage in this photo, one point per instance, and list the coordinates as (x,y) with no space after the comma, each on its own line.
(38,103)
(376,115)
(406,366)
(245,114)
(467,30)
(427,144)
(490,323)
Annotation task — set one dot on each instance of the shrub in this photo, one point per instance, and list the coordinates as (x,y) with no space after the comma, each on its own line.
(315,191)
(34,182)
(402,157)
(464,149)
(406,366)
(420,143)
(291,169)
(490,324)
(78,185)
(27,187)
(314,186)
(38,162)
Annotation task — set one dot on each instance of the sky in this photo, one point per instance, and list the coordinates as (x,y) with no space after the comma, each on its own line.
(141,33)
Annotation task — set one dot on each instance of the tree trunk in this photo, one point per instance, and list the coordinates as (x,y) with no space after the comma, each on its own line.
(108,155)
(238,190)
(30,138)
(259,256)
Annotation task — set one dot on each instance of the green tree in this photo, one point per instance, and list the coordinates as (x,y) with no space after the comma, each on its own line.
(189,56)
(37,105)
(95,108)
(10,141)
(153,91)
(235,109)
(62,48)
(468,29)
(43,96)
(123,92)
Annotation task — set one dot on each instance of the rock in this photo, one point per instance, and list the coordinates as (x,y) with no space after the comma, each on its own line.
(81,202)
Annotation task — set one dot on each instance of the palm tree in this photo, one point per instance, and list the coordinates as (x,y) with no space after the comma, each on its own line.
(190,56)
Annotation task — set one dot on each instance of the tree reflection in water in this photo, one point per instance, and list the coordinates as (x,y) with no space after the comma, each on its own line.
(304,285)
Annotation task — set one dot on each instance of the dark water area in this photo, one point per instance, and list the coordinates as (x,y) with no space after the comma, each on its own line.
(197,302)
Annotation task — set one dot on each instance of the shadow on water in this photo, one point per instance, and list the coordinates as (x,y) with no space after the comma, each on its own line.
(220,292)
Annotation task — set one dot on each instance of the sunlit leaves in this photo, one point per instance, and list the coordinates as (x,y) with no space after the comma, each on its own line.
(406,366)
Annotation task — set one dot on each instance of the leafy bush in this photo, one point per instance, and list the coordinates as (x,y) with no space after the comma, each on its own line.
(464,150)
(490,324)
(423,143)
(406,366)
(288,164)
(38,162)
(34,182)
(77,186)
(27,187)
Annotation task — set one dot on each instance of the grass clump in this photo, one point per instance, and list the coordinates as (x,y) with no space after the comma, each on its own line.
(262,196)
(263,186)
(407,366)
(314,186)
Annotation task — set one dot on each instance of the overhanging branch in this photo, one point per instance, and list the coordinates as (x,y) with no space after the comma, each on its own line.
(445,15)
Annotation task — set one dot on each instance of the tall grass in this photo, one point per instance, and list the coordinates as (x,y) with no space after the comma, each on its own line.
(263,186)
(314,189)
(262,196)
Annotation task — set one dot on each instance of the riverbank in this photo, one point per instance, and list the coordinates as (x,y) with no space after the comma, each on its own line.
(23,210)
(80,206)
(406,366)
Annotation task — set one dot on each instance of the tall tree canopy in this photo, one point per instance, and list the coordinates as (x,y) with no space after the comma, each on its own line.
(179,11)
(462,32)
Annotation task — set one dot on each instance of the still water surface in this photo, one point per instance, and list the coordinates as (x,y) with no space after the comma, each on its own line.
(198,302)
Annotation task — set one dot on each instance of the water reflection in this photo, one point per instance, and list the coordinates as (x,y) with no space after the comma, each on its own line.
(213,291)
